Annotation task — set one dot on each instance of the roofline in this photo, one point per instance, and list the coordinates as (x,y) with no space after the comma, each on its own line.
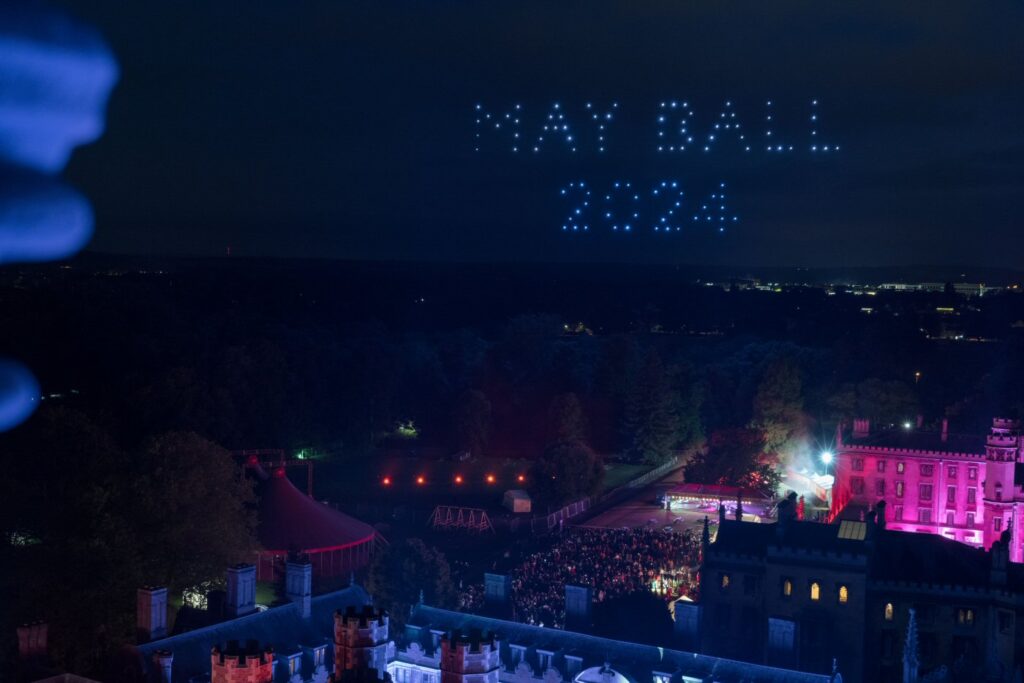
(661,651)
(210,627)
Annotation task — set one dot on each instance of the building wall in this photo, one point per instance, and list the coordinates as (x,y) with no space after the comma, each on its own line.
(753,619)
(924,492)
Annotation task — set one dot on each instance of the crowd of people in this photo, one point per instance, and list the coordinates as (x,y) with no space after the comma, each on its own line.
(613,562)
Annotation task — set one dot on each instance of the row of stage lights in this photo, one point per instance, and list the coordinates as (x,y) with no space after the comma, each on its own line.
(458,480)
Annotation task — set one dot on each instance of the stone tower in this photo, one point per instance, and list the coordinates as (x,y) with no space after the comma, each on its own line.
(470,657)
(248,663)
(1002,450)
(360,639)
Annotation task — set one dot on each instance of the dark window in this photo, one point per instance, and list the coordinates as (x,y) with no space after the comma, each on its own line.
(997,524)
(924,515)
(972,495)
(880,466)
(926,491)
(952,471)
(927,470)
(951,495)
(1005,621)
(723,618)
(897,513)
(950,518)
(880,487)
(857,485)
(749,584)
(970,519)
(858,464)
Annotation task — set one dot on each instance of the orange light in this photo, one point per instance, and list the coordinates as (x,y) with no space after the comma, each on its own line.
(458,478)
(421,480)
(491,479)
(386,481)
(521,479)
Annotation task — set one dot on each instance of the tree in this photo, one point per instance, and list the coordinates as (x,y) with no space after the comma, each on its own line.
(96,522)
(778,405)
(567,471)
(398,574)
(735,457)
(472,420)
(882,401)
(195,510)
(566,420)
(651,421)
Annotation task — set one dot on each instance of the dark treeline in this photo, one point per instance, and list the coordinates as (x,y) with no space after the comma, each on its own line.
(335,355)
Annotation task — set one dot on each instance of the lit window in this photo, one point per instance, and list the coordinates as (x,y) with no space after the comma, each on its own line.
(889,612)
(787,588)
(972,473)
(844,594)
(900,467)
(965,617)
(899,489)
(725,581)
(815,591)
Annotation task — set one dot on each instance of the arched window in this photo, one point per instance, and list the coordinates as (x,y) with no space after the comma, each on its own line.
(787,588)
(844,594)
(889,612)
(815,590)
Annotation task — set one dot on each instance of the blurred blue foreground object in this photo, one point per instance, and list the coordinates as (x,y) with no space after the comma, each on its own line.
(55,77)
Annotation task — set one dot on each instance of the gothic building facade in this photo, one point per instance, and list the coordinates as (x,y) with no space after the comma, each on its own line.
(968,489)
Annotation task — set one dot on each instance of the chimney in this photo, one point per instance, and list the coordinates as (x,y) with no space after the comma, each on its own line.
(999,556)
(32,640)
(579,603)
(785,514)
(298,580)
(151,613)
(945,429)
(163,660)
(861,428)
(497,590)
(241,597)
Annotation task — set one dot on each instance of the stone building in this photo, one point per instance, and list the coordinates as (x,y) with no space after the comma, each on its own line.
(798,594)
(965,488)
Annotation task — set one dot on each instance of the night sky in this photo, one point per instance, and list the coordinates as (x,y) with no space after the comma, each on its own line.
(346,129)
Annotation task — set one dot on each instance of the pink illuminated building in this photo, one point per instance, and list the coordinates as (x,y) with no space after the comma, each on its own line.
(970,489)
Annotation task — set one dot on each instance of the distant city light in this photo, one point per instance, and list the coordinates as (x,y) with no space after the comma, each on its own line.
(521,478)
(421,480)
(458,478)
(491,479)
(386,481)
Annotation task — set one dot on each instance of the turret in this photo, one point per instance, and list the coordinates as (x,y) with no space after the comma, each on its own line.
(235,662)
(360,639)
(1002,450)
